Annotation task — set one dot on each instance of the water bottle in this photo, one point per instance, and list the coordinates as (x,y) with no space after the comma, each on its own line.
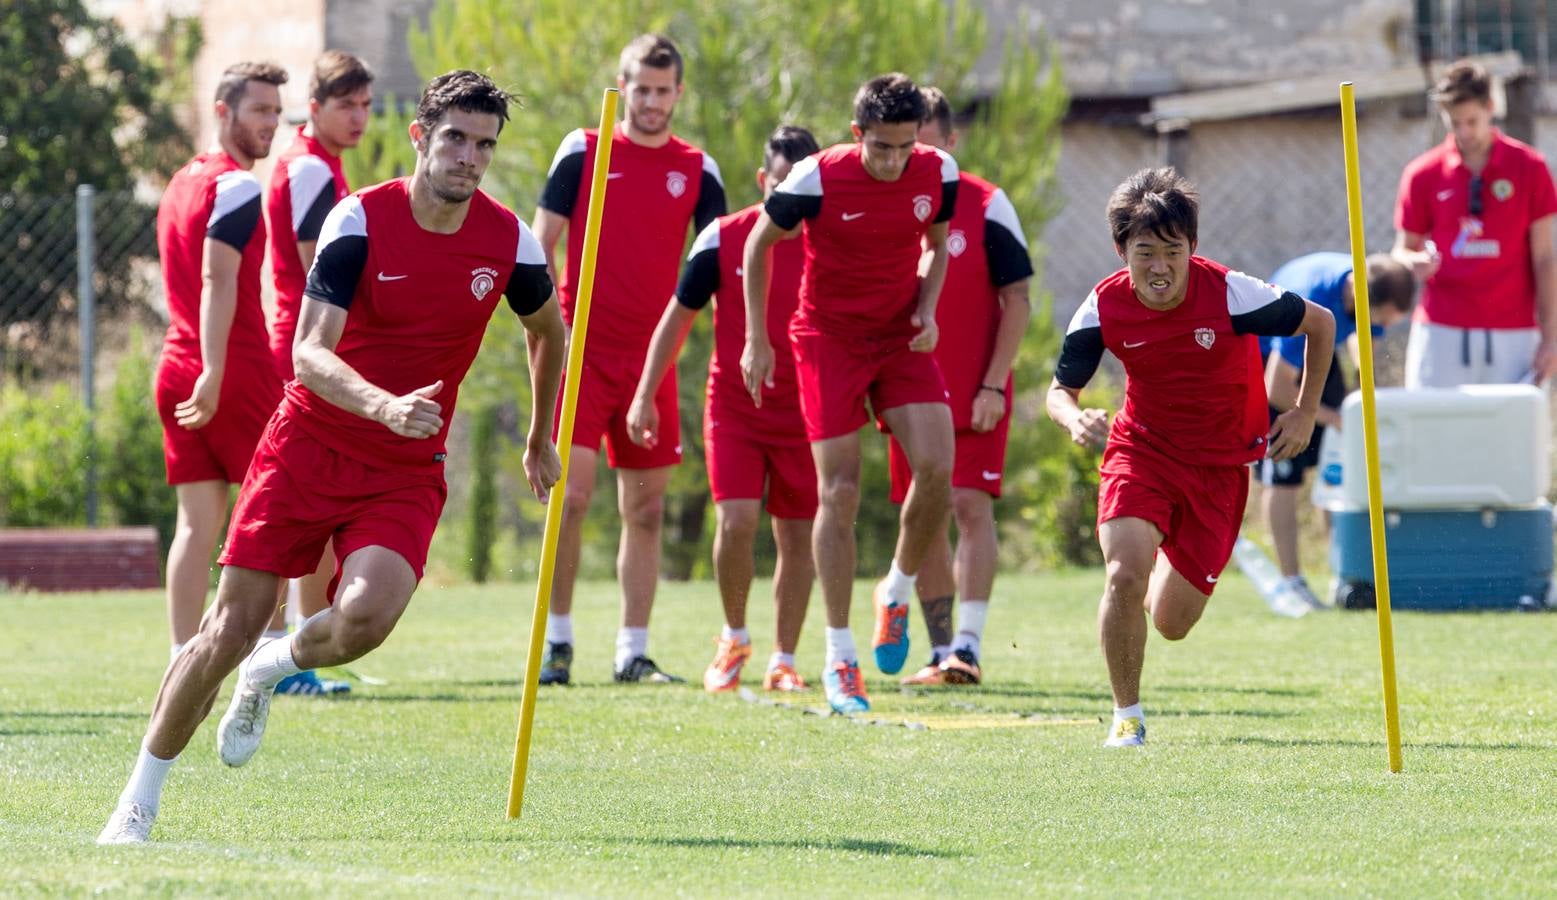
(1268,580)
(1328,492)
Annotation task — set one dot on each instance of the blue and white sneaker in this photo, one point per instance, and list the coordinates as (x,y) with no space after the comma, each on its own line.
(890,642)
(845,688)
(1129,732)
(309,684)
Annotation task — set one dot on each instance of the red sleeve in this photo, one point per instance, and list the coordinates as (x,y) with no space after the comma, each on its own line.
(1412,213)
(1543,196)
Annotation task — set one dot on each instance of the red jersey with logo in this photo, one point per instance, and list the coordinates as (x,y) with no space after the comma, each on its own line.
(1194,387)
(986,251)
(652,195)
(863,237)
(713,271)
(1487,279)
(418,304)
(307,183)
(214,198)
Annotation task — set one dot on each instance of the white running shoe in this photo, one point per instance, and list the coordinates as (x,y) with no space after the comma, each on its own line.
(129,824)
(243,725)
(1129,732)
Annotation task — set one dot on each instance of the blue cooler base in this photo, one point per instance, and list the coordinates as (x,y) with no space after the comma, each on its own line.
(1447,559)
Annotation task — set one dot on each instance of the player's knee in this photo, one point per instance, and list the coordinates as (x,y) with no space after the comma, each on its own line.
(840,493)
(738,525)
(228,637)
(1174,628)
(972,510)
(362,631)
(644,512)
(1126,581)
(575,501)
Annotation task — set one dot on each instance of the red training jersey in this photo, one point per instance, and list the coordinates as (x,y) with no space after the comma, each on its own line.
(1487,278)
(417,303)
(306,184)
(652,195)
(714,271)
(863,237)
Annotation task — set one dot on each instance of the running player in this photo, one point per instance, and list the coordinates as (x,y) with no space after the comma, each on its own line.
(746,447)
(306,184)
(863,332)
(984,311)
(1175,476)
(215,385)
(407,275)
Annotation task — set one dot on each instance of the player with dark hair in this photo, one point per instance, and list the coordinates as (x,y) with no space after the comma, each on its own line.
(1175,474)
(864,331)
(406,277)
(983,313)
(658,186)
(305,185)
(747,448)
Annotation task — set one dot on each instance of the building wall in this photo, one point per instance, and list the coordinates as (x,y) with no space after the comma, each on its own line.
(288,32)
(376,31)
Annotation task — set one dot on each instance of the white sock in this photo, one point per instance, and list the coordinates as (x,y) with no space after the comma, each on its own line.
(941,651)
(630,643)
(840,646)
(741,635)
(899,586)
(559,629)
(970,625)
(271,662)
(146,780)
(780,658)
(1129,712)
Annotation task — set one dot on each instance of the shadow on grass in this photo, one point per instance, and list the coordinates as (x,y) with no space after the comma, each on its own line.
(1222,689)
(1373,745)
(70,714)
(48,732)
(837,845)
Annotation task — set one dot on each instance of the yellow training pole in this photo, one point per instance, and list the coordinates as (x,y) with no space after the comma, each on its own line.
(586,285)
(1370,427)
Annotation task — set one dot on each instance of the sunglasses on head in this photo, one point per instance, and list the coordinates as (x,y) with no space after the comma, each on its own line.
(1475,195)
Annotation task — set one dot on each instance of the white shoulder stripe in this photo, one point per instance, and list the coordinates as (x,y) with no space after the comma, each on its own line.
(347,219)
(707,239)
(1245,293)
(307,176)
(805,179)
(712,168)
(1086,315)
(233,189)
(1001,212)
(529,252)
(948,166)
(575,142)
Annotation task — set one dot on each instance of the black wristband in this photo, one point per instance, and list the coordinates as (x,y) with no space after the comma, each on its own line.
(989,387)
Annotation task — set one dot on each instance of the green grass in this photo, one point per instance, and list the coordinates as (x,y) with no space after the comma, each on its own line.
(1265,773)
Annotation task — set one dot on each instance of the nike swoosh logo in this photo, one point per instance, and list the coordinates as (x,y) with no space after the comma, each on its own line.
(612,176)
(740,271)
(850,217)
(1446,194)
(383,277)
(1211,579)
(990,476)
(1130,346)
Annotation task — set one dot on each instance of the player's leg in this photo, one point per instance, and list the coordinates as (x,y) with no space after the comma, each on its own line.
(1173,603)
(202,513)
(1279,503)
(1129,554)
(832,545)
(735,536)
(557,663)
(641,503)
(306,597)
(792,577)
(978,551)
(936,582)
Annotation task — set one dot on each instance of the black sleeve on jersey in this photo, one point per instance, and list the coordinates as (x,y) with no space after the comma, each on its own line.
(529,287)
(561,190)
(948,201)
(1079,357)
(314,219)
(1279,318)
(235,228)
(699,279)
(710,201)
(788,210)
(1008,259)
(333,278)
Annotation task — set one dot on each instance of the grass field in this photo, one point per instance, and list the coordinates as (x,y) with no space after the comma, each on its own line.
(1265,773)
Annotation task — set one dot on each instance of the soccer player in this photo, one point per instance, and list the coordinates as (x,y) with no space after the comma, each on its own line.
(1174,473)
(1487,203)
(658,186)
(215,384)
(983,313)
(1326,279)
(747,447)
(863,332)
(306,184)
(406,277)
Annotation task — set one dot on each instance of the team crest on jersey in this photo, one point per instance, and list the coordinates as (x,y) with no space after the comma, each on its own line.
(482,281)
(675,183)
(1502,189)
(1205,337)
(922,207)
(956,242)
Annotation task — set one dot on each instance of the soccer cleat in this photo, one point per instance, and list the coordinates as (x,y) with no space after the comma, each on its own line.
(243,725)
(962,667)
(1299,587)
(724,673)
(845,688)
(556,663)
(1129,732)
(309,684)
(641,669)
(129,824)
(783,679)
(891,641)
(929,676)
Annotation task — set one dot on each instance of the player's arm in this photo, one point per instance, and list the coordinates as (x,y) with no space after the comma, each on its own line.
(1080,355)
(757,356)
(1011,271)
(1417,253)
(311,196)
(1412,222)
(548,230)
(1262,309)
(218,304)
(530,294)
(930,284)
(1543,261)
(643,417)
(1281,387)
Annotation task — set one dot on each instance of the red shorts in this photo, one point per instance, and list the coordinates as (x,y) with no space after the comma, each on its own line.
(604,392)
(837,374)
(300,494)
(1198,509)
(979,465)
(222,448)
(740,462)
